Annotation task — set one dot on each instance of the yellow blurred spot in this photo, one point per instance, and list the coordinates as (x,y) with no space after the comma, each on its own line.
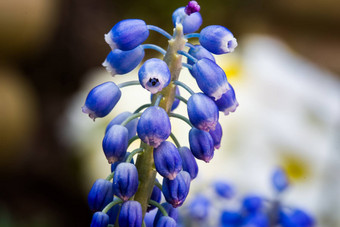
(296,167)
(231,64)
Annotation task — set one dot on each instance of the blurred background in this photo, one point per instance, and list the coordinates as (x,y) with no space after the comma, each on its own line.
(285,71)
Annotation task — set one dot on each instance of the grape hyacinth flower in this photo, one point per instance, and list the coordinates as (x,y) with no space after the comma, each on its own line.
(154,75)
(101,100)
(134,183)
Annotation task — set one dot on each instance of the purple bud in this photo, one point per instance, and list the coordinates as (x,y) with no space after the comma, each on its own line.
(216,135)
(202,111)
(122,62)
(192,7)
(127,34)
(210,78)
(154,75)
(131,126)
(100,219)
(168,162)
(125,181)
(190,23)
(156,195)
(172,212)
(217,39)
(130,214)
(280,180)
(175,191)
(201,144)
(188,162)
(154,126)
(199,207)
(166,222)
(227,103)
(101,100)
(115,143)
(224,189)
(100,195)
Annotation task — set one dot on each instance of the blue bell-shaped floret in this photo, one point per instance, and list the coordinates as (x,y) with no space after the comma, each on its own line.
(154,126)
(115,143)
(154,75)
(210,78)
(199,208)
(122,62)
(252,203)
(101,100)
(190,23)
(280,180)
(125,181)
(100,219)
(127,34)
(201,144)
(188,162)
(168,162)
(202,112)
(217,39)
(175,191)
(172,212)
(224,189)
(231,218)
(150,217)
(156,195)
(227,103)
(166,221)
(295,217)
(256,220)
(216,135)
(130,214)
(131,126)
(198,52)
(100,194)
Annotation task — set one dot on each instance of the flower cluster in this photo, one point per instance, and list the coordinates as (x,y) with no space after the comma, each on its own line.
(134,189)
(251,210)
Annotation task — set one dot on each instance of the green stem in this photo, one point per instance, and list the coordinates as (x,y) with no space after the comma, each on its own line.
(130,157)
(158,100)
(159,206)
(158,185)
(181,117)
(109,177)
(142,107)
(173,137)
(128,83)
(133,139)
(133,116)
(183,85)
(110,205)
(181,98)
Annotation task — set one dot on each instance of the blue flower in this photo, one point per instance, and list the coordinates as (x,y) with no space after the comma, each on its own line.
(210,78)
(280,180)
(224,189)
(230,218)
(168,162)
(202,111)
(172,212)
(188,162)
(130,214)
(190,23)
(296,218)
(156,195)
(154,126)
(199,52)
(100,219)
(166,222)
(217,39)
(154,75)
(227,103)
(252,203)
(201,144)
(125,181)
(127,34)
(256,220)
(150,217)
(199,207)
(101,100)
(175,191)
(122,62)
(100,194)
(216,135)
(131,126)
(115,143)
